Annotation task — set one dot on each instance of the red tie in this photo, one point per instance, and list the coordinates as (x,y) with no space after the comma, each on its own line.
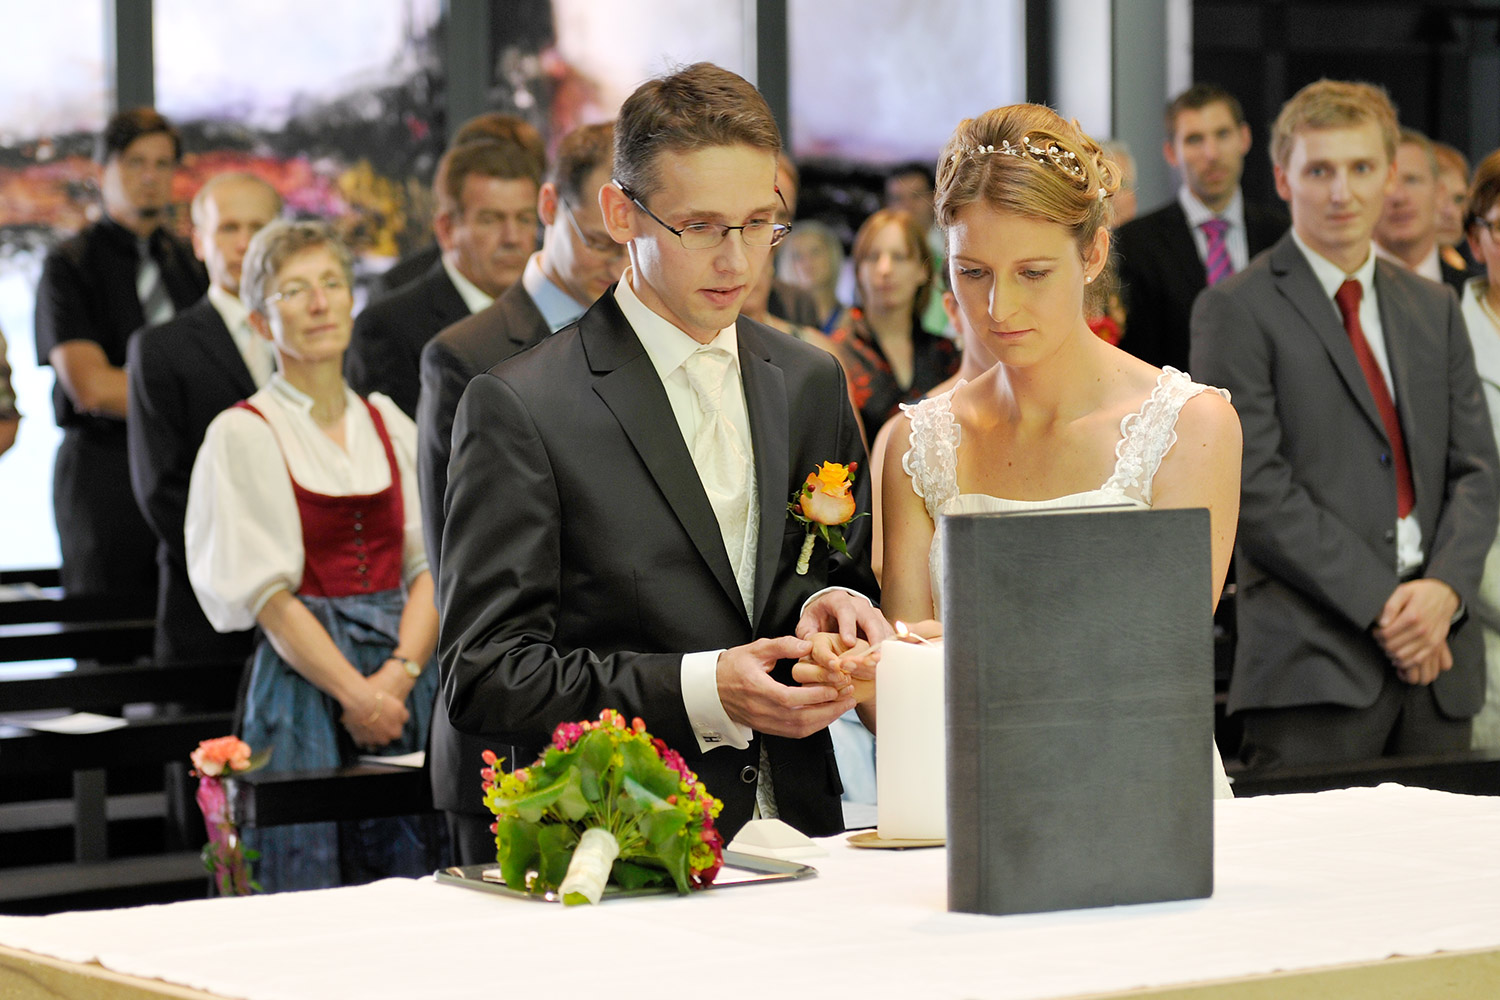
(1348,297)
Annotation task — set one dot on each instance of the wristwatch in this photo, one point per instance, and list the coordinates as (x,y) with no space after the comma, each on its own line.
(413,668)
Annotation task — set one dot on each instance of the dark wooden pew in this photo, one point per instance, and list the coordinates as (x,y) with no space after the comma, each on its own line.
(108,641)
(364,791)
(28,603)
(1468,772)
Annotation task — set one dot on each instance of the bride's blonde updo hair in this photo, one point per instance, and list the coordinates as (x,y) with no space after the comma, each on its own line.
(1026,159)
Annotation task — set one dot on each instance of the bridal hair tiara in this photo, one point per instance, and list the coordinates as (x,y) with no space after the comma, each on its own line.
(1053,154)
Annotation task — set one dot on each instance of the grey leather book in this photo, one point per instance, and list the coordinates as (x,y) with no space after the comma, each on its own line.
(1080,708)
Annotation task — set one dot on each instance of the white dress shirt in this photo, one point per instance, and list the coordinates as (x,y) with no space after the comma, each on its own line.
(1330,276)
(256,351)
(1429,267)
(1235,239)
(668,347)
(243,530)
(473,296)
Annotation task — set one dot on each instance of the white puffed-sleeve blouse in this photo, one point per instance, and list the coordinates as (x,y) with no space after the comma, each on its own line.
(243,531)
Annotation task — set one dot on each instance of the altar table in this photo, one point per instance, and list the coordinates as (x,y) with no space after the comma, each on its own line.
(1367,893)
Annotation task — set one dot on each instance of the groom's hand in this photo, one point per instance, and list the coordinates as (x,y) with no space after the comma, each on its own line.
(851,616)
(753,698)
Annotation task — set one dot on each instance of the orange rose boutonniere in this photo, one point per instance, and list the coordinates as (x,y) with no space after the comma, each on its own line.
(825,503)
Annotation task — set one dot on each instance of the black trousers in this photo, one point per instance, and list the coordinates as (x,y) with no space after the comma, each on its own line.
(1404,720)
(470,838)
(108,550)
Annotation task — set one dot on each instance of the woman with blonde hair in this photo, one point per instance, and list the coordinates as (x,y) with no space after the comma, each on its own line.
(1063,419)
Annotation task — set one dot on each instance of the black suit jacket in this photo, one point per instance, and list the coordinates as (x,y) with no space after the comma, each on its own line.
(182,374)
(385,352)
(581,557)
(1161,274)
(449,361)
(1316,549)
(1453,277)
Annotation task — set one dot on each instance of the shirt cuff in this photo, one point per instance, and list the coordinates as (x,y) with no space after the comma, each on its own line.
(700,696)
(826,590)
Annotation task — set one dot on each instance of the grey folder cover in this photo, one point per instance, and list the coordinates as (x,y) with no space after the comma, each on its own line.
(1080,708)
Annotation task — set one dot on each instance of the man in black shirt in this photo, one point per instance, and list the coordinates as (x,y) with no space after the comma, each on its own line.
(113,277)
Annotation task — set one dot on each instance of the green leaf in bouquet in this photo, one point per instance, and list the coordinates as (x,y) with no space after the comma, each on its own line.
(555,843)
(531,807)
(517,852)
(636,798)
(635,875)
(673,856)
(573,803)
(645,767)
(662,825)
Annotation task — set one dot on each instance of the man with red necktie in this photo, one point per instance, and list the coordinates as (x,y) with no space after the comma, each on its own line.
(1369,490)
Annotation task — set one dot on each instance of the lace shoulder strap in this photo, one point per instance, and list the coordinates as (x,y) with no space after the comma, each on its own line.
(1150,432)
(932,459)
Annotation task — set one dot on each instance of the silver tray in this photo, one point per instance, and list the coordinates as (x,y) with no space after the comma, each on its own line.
(739,869)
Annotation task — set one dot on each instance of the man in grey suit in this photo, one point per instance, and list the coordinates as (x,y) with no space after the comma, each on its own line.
(577,264)
(1369,480)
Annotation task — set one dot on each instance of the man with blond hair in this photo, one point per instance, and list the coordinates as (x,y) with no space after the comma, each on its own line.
(1368,495)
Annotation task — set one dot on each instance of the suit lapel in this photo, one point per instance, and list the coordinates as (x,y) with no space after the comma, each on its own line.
(1295,280)
(765,399)
(218,343)
(1184,250)
(1401,322)
(448,306)
(629,386)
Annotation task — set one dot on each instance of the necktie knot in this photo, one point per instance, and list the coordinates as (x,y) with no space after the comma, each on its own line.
(1215,228)
(1348,297)
(706,370)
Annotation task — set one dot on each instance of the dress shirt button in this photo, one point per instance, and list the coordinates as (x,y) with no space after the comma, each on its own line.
(1390,534)
(748,774)
(1385,458)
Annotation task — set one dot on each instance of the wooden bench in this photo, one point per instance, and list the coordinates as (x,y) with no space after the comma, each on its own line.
(364,791)
(110,641)
(1468,772)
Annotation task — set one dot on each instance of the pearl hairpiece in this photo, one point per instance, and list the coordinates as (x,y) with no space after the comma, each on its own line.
(1050,154)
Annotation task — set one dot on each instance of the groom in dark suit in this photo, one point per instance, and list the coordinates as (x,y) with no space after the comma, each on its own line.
(1369,488)
(617,533)
(577,263)
(181,375)
(1205,234)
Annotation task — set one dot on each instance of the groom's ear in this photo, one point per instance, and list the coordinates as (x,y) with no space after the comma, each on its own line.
(618,212)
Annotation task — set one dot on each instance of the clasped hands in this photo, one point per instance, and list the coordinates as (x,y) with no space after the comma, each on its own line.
(376,714)
(833,644)
(1413,629)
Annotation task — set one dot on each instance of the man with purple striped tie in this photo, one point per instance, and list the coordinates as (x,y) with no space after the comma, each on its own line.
(1202,236)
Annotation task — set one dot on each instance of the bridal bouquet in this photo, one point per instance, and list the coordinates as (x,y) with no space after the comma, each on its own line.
(825,503)
(607,802)
(226,858)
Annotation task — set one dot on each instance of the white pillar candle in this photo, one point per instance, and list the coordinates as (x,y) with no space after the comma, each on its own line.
(910,749)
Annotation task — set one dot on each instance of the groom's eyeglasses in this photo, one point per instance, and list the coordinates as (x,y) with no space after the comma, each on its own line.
(707,235)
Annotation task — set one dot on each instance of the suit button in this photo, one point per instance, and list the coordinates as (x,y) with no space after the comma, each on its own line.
(1385,459)
(1390,535)
(748,774)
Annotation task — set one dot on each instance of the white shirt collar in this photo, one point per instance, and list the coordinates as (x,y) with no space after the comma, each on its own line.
(473,297)
(1429,268)
(1198,213)
(294,398)
(1330,276)
(557,307)
(232,311)
(666,345)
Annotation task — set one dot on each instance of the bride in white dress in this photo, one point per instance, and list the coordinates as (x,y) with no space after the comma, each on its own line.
(1063,419)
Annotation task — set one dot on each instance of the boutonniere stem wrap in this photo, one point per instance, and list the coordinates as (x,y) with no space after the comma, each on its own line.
(825,503)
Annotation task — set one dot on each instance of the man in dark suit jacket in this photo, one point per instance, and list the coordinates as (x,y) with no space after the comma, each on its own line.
(1165,255)
(1369,491)
(589,560)
(182,374)
(486,226)
(1407,233)
(577,264)
(97,288)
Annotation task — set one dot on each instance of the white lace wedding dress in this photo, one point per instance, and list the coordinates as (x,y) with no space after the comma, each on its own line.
(1145,438)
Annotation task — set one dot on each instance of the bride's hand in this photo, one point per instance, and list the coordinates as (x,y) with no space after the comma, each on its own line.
(839,664)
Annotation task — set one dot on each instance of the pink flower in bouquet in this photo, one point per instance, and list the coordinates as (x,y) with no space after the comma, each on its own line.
(214,757)
(566,734)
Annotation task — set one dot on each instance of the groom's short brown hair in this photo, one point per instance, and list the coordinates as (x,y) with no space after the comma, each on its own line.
(694,108)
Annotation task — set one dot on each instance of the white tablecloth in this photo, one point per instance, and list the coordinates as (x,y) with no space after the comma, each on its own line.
(1301,881)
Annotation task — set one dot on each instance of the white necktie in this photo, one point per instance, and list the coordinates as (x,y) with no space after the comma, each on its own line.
(156,304)
(722,463)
